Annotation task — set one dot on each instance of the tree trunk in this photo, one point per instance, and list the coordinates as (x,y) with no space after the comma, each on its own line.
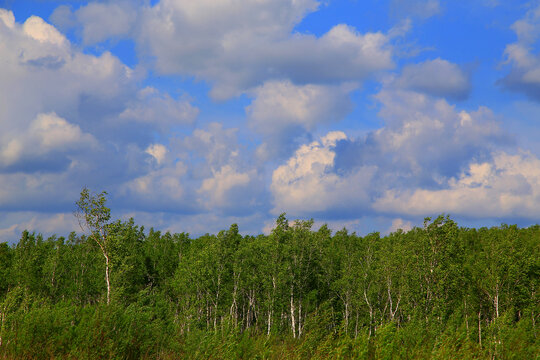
(271,304)
(269,323)
(293,320)
(107,278)
(479,330)
(370,312)
(496,300)
(300,318)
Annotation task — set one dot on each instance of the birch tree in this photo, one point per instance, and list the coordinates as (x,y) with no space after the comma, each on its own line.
(93,217)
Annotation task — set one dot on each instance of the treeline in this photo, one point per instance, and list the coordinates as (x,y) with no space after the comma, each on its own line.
(436,292)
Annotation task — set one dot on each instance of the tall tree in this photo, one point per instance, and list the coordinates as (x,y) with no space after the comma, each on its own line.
(93,217)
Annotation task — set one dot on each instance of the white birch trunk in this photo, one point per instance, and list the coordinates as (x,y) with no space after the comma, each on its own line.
(293,319)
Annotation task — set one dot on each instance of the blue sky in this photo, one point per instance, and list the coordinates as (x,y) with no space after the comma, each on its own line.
(194,115)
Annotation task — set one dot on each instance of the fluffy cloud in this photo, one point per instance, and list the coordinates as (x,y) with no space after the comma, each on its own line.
(158,151)
(507,186)
(42,73)
(205,172)
(236,45)
(525,71)
(159,189)
(423,148)
(281,104)
(159,109)
(436,77)
(102,21)
(282,111)
(429,138)
(47,135)
(98,21)
(71,119)
(227,188)
(307,183)
(249,43)
(217,145)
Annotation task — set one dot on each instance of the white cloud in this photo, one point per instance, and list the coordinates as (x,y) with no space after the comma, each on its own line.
(159,109)
(162,184)
(217,190)
(524,75)
(158,151)
(64,122)
(54,132)
(436,77)
(39,30)
(204,172)
(7,17)
(508,186)
(42,73)
(238,45)
(427,139)
(216,144)
(426,142)
(102,21)
(281,104)
(47,133)
(307,183)
(282,111)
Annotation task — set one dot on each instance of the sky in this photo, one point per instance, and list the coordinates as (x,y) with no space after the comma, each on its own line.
(194,115)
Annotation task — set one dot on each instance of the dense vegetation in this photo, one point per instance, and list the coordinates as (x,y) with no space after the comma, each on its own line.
(440,292)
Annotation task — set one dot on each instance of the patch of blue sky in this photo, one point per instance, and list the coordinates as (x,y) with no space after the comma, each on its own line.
(364,16)
(472,34)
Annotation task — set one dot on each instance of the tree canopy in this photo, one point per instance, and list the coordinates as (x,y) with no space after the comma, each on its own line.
(437,291)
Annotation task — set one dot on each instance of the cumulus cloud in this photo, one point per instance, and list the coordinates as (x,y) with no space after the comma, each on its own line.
(71,119)
(234,45)
(225,180)
(41,73)
(307,183)
(428,136)
(243,53)
(425,143)
(204,172)
(436,77)
(226,187)
(524,75)
(98,21)
(158,152)
(161,189)
(102,21)
(48,134)
(159,109)
(280,104)
(282,111)
(216,144)
(507,186)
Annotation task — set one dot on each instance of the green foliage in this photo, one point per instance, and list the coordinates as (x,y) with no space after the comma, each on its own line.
(92,212)
(436,292)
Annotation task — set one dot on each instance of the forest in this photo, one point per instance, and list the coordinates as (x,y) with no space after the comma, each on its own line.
(120,291)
